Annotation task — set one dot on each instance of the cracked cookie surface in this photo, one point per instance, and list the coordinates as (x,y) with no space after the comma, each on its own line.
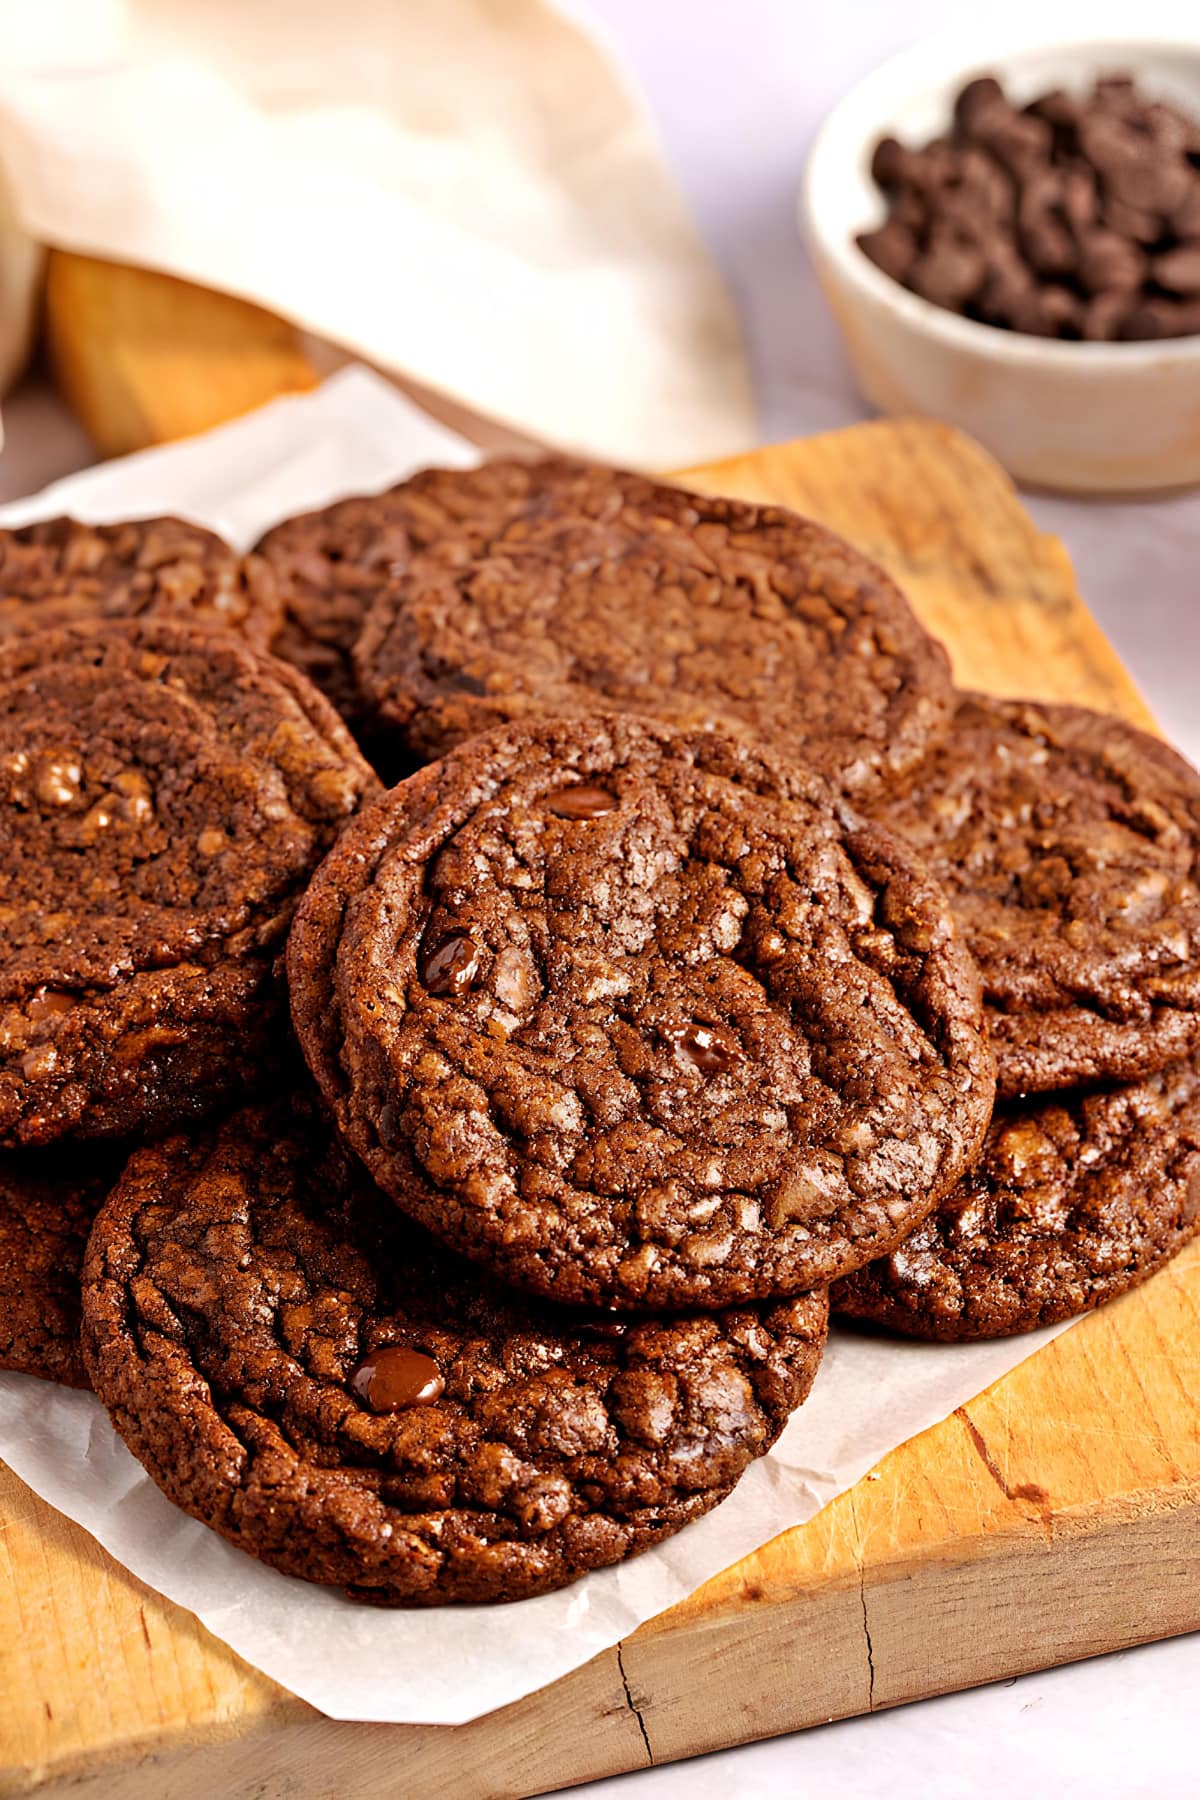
(1067,843)
(305,1370)
(1076,1199)
(641,1017)
(165,794)
(47,1204)
(62,572)
(559,587)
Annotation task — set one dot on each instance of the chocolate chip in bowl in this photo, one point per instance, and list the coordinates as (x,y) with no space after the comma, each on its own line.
(1069,218)
(1008,233)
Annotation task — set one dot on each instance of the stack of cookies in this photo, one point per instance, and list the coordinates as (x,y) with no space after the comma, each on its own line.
(661,1000)
(167,791)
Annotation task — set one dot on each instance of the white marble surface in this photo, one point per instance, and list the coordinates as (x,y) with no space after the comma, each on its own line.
(739,87)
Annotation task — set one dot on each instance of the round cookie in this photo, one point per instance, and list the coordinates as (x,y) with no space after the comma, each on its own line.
(558,588)
(47,1204)
(307,1372)
(1067,843)
(1076,1199)
(639,1017)
(61,572)
(165,794)
(327,567)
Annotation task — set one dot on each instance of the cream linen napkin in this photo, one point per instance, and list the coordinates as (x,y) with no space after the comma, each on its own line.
(465,193)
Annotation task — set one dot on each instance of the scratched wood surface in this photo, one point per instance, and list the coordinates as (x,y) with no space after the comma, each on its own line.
(1056,1516)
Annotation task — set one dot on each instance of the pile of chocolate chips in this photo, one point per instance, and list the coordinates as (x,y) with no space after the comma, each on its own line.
(1067,218)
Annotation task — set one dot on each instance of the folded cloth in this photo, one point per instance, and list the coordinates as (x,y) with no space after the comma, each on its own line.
(466,194)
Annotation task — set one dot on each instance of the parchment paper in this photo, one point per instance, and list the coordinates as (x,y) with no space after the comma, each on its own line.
(357,434)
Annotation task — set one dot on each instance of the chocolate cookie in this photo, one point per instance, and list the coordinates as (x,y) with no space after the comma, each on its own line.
(61,572)
(558,588)
(308,1373)
(328,566)
(47,1204)
(1067,842)
(1077,1198)
(640,1017)
(165,794)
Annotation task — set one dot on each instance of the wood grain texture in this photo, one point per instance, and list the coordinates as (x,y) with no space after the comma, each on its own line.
(1056,1516)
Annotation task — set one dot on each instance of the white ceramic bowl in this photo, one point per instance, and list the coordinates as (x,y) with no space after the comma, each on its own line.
(1078,416)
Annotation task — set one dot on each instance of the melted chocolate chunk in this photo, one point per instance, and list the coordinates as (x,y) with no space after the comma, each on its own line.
(582,802)
(450,967)
(709,1048)
(395,1377)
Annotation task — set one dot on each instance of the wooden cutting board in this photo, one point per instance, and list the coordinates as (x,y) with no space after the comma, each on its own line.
(1056,1516)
